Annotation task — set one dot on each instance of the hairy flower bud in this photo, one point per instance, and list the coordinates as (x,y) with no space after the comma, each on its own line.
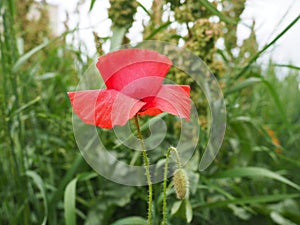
(181,183)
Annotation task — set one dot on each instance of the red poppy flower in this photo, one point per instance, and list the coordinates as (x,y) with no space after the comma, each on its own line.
(134,85)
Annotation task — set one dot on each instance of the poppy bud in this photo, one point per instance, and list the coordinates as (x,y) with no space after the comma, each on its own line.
(181,183)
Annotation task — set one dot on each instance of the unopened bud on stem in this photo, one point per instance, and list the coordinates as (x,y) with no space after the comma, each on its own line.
(181,183)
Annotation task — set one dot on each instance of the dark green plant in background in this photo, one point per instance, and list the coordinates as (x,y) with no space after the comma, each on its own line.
(44,180)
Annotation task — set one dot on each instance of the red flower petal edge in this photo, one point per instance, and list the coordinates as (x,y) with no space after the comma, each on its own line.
(120,68)
(104,108)
(174,99)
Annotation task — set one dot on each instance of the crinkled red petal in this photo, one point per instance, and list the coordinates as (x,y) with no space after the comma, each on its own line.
(143,87)
(104,108)
(174,99)
(119,69)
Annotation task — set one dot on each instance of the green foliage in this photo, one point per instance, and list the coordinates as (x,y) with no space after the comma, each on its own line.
(121,12)
(44,179)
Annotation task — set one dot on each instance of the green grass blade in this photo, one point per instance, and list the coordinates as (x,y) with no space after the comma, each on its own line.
(46,76)
(144,8)
(243,84)
(267,46)
(289,66)
(69,203)
(23,59)
(87,176)
(255,172)
(70,197)
(292,161)
(188,211)
(134,220)
(157,30)
(58,194)
(92,5)
(12,5)
(280,220)
(27,105)
(40,185)
(277,100)
(248,200)
(210,7)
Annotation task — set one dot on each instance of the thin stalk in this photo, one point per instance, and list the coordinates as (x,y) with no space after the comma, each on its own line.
(164,220)
(147,168)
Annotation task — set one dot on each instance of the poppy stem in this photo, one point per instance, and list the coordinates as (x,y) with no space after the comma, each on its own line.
(147,168)
(164,220)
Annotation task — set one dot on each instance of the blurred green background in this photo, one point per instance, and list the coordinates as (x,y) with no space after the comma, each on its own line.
(44,180)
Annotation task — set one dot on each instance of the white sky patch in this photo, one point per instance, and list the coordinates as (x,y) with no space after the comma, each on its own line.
(141,18)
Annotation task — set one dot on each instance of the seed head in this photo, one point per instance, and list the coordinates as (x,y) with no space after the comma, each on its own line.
(181,183)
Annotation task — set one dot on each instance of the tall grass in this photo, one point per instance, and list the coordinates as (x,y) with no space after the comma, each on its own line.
(37,146)
(13,126)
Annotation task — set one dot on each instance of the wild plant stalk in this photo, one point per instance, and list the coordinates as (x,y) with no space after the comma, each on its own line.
(147,168)
(7,57)
(12,122)
(164,220)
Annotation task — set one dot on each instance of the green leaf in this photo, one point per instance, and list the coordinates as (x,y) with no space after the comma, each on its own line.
(243,84)
(247,200)
(210,7)
(70,197)
(46,76)
(69,203)
(12,7)
(188,211)
(157,30)
(25,106)
(276,99)
(115,195)
(279,219)
(175,207)
(144,8)
(294,161)
(239,212)
(40,185)
(134,220)
(87,176)
(92,5)
(23,59)
(58,194)
(255,172)
(117,37)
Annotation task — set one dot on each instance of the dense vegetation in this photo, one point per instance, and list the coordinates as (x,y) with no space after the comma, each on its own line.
(44,179)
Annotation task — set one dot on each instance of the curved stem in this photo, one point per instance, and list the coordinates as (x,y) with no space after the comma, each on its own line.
(147,168)
(164,220)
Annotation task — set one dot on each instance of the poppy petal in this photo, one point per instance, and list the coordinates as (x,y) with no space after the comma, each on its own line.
(118,69)
(143,87)
(104,108)
(174,99)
